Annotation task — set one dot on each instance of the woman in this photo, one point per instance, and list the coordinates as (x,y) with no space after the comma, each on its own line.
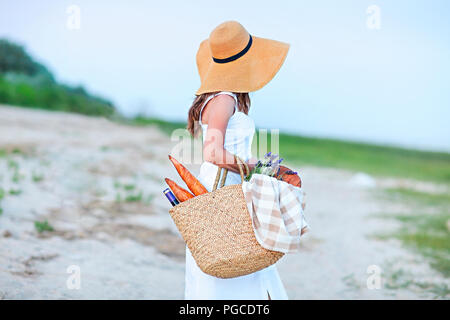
(231,63)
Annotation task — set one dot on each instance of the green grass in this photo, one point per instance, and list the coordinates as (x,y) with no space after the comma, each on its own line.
(419,198)
(426,228)
(26,82)
(42,226)
(105,148)
(15,151)
(166,126)
(2,195)
(16,176)
(127,192)
(150,198)
(136,197)
(130,197)
(15,192)
(395,278)
(52,96)
(13,164)
(372,159)
(129,187)
(428,234)
(37,177)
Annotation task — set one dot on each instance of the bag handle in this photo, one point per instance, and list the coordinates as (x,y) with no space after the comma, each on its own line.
(241,163)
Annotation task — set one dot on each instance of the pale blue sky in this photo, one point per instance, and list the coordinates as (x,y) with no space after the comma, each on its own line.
(340,78)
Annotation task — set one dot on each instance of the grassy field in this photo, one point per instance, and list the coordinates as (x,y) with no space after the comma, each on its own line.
(426,228)
(166,126)
(28,83)
(372,159)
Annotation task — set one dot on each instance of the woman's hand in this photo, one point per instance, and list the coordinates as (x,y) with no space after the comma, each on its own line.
(251,163)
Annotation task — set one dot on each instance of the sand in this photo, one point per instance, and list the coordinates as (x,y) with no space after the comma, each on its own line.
(99,185)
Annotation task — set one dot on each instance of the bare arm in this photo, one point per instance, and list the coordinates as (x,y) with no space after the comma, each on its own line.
(216,114)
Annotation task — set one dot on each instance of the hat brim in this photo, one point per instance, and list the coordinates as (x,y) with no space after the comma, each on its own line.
(249,73)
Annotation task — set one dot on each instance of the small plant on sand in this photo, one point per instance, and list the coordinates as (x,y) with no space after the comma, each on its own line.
(150,198)
(16,176)
(129,187)
(397,278)
(128,192)
(2,195)
(42,226)
(137,197)
(425,228)
(13,164)
(351,282)
(15,192)
(37,177)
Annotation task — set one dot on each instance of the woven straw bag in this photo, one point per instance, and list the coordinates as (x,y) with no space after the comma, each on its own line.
(218,231)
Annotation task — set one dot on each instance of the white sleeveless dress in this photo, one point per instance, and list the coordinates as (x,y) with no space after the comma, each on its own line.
(255,286)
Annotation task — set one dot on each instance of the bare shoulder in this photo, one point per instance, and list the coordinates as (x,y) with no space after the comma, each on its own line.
(222,100)
(222,104)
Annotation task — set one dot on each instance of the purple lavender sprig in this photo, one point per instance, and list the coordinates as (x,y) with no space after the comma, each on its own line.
(288,172)
(270,165)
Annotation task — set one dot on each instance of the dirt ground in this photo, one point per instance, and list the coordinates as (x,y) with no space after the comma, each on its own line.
(99,186)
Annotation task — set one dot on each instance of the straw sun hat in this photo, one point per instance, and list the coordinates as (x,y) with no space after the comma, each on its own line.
(233,60)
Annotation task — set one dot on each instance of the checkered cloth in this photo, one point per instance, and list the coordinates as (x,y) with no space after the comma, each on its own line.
(276,210)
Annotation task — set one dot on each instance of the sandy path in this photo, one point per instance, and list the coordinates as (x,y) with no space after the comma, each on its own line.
(99,185)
